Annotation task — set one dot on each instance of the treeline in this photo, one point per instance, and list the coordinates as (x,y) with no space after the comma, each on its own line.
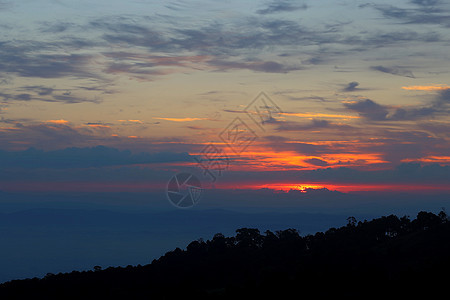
(384,257)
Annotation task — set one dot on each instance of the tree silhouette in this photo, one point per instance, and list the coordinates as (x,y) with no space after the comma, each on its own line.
(387,256)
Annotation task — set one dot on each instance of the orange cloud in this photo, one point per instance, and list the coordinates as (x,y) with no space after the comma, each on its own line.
(430,159)
(7,129)
(436,87)
(181,119)
(318,115)
(132,121)
(57,121)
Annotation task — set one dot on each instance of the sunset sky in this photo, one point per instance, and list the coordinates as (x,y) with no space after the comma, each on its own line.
(121,95)
(275,113)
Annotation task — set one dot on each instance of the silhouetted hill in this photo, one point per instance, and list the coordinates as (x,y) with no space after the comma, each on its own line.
(37,241)
(385,257)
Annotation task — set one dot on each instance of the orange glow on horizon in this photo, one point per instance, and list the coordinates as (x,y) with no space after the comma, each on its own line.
(289,187)
(347,188)
(275,187)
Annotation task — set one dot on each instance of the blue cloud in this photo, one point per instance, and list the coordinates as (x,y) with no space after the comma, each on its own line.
(99,156)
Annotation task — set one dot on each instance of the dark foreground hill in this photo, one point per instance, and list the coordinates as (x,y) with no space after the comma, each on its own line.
(385,257)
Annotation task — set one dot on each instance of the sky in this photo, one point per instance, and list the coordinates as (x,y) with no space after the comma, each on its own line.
(347,96)
(275,114)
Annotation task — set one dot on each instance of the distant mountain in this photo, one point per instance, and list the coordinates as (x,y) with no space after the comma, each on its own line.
(383,258)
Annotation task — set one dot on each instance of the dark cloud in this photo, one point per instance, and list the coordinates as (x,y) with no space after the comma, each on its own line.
(442,99)
(315,60)
(394,71)
(407,173)
(317,162)
(39,89)
(56,27)
(196,128)
(290,95)
(226,44)
(437,129)
(47,95)
(91,94)
(144,71)
(45,136)
(352,86)
(51,135)
(412,113)
(374,40)
(19,97)
(26,61)
(373,111)
(296,126)
(38,59)
(223,45)
(235,111)
(368,109)
(276,138)
(426,3)
(427,13)
(310,98)
(258,66)
(281,6)
(216,39)
(98,156)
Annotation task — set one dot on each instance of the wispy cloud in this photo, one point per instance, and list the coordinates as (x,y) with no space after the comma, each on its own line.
(76,157)
(436,87)
(399,71)
(319,115)
(131,121)
(258,66)
(48,94)
(57,121)
(281,6)
(427,12)
(181,119)
(98,125)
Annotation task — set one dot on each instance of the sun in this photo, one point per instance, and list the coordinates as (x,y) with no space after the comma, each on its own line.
(289,187)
